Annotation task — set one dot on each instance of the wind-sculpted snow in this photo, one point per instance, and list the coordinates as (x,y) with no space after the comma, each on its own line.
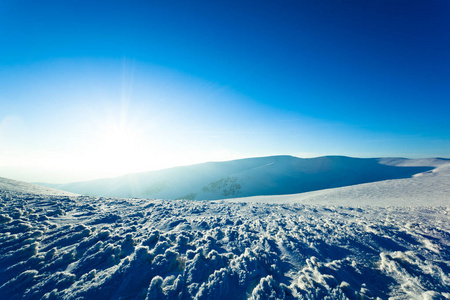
(60,247)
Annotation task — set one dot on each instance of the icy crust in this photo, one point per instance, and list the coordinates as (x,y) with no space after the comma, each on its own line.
(59,247)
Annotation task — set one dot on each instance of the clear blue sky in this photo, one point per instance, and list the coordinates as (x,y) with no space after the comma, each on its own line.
(101,88)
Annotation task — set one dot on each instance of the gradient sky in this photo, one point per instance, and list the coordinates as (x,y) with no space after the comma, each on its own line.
(93,89)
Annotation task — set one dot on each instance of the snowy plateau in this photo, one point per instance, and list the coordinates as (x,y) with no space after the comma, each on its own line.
(386,236)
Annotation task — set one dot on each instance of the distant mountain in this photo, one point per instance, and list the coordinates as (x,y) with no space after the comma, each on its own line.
(274,175)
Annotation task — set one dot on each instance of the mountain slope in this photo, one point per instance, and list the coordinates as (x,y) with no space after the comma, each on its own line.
(431,188)
(11,185)
(275,175)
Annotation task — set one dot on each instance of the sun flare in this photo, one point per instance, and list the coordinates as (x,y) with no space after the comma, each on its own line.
(118,148)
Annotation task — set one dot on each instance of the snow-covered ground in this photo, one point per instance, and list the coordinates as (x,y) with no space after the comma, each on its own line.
(79,247)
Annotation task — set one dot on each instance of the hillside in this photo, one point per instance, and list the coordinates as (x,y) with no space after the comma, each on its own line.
(16,186)
(276,175)
(428,188)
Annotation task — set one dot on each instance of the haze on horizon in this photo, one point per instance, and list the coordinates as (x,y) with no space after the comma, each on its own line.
(92,89)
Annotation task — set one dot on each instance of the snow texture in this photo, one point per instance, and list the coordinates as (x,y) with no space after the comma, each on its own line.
(80,247)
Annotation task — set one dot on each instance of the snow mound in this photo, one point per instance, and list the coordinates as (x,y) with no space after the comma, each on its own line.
(275,175)
(69,247)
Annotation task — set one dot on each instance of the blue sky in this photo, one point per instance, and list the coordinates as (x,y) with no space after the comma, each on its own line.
(101,88)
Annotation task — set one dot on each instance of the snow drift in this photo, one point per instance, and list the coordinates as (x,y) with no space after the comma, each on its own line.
(275,175)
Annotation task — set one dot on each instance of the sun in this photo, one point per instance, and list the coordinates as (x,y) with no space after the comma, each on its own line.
(113,147)
(119,148)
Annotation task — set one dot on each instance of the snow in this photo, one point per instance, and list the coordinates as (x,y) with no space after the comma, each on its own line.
(79,247)
(427,188)
(15,186)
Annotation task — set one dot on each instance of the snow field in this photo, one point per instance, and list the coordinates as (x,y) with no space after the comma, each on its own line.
(61,247)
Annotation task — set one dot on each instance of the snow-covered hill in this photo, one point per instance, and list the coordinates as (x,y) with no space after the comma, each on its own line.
(427,188)
(15,186)
(275,175)
(69,247)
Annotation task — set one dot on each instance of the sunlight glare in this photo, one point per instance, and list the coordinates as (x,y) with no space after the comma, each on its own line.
(118,149)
